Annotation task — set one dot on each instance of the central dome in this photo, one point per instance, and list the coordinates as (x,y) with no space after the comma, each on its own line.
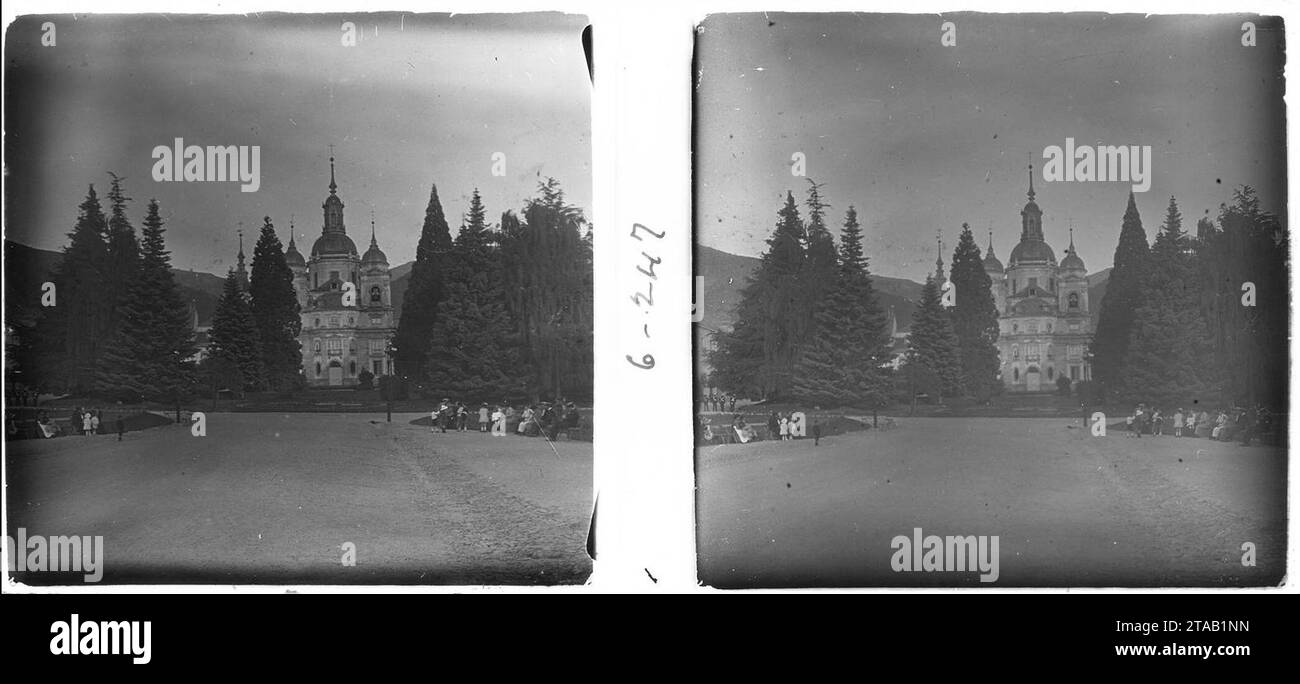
(1035,251)
(333,244)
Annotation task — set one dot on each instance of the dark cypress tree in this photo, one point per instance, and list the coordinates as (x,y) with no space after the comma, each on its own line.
(1169,358)
(69,337)
(151,351)
(547,279)
(1123,295)
(275,310)
(932,343)
(411,341)
(234,337)
(1248,246)
(974,318)
(476,355)
(756,359)
(820,266)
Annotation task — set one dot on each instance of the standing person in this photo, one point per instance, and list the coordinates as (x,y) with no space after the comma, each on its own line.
(1178,422)
(524,417)
(773,427)
(733,403)
(121,427)
(498,423)
(94,422)
(483,417)
(444,415)
(85,423)
(1158,423)
(785,428)
(817,431)
(510,415)
(462,417)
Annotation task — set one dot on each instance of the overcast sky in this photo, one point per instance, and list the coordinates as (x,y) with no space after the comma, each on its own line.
(427,99)
(922,137)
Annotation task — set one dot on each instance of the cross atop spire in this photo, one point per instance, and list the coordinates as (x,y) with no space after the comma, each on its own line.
(333,186)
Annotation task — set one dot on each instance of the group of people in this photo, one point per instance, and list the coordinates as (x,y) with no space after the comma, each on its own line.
(1222,425)
(718,402)
(780,427)
(548,418)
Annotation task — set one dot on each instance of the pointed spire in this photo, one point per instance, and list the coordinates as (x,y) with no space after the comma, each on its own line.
(1072,236)
(938,261)
(1031,182)
(990,242)
(373,242)
(291,231)
(333,186)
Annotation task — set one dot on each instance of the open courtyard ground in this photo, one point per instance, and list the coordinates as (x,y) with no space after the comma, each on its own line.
(272,498)
(1069,509)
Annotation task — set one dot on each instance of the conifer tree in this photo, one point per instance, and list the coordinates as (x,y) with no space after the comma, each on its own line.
(1169,358)
(476,353)
(546,263)
(274,305)
(123,255)
(1123,295)
(842,363)
(66,345)
(756,358)
(974,318)
(411,342)
(151,351)
(932,343)
(234,337)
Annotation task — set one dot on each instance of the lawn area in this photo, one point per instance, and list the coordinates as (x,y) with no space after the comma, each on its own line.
(1069,509)
(271,498)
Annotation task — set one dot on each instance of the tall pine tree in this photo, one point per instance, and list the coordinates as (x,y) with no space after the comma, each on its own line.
(151,351)
(69,338)
(974,318)
(476,354)
(123,255)
(1169,358)
(234,338)
(842,363)
(1118,306)
(932,343)
(411,342)
(756,358)
(274,305)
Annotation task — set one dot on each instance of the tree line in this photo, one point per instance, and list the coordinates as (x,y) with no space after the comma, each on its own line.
(1197,317)
(501,312)
(497,313)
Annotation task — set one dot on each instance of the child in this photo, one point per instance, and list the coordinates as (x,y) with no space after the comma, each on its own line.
(1178,422)
(483,418)
(785,428)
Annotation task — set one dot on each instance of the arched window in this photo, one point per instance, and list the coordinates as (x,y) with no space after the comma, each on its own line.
(317,322)
(1074,300)
(376,295)
(352,368)
(316,345)
(1049,372)
(1014,374)
(1015,351)
(318,369)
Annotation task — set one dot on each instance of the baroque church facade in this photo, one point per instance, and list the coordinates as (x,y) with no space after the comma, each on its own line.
(1044,321)
(345,301)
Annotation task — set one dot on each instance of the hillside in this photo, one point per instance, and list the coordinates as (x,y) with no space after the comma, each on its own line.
(725,274)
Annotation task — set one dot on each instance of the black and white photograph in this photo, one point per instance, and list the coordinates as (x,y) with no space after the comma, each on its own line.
(990,300)
(298,299)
